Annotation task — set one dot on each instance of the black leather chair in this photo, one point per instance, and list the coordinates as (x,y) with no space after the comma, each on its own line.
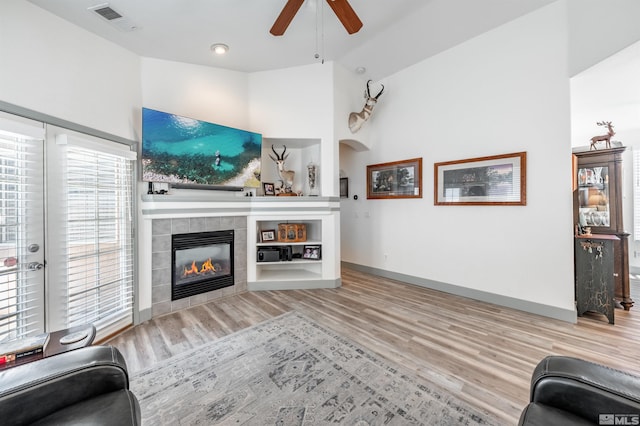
(88,386)
(569,391)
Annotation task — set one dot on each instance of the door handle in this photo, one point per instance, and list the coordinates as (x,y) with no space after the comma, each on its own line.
(35,266)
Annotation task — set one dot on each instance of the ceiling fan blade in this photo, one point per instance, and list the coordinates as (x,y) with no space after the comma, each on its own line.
(284,19)
(346,15)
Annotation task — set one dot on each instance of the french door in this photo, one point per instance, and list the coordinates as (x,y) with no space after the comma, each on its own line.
(73,192)
(90,232)
(21,227)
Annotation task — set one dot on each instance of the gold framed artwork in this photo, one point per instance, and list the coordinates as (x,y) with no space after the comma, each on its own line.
(398,179)
(492,180)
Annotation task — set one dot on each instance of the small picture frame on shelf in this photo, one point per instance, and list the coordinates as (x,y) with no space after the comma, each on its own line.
(312,252)
(269,188)
(268,235)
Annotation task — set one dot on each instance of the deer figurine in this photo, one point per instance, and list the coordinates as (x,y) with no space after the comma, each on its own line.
(285,175)
(603,138)
(357,119)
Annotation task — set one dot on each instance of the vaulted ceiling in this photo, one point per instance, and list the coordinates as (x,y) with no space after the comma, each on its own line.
(395,34)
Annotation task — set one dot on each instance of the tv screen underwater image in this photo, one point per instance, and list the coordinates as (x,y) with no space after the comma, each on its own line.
(178,149)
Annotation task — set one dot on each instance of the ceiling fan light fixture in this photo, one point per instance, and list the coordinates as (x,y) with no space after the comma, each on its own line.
(219,48)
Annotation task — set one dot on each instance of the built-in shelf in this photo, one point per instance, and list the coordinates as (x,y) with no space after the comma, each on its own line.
(293,262)
(277,243)
(297,273)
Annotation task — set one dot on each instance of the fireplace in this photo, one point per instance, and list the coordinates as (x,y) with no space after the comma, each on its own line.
(201,262)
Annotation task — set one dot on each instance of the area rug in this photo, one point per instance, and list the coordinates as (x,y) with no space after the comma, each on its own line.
(290,370)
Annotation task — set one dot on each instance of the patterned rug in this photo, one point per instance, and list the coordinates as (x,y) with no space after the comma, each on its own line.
(291,371)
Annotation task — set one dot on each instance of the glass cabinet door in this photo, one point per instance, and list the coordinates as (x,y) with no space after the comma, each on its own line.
(593,196)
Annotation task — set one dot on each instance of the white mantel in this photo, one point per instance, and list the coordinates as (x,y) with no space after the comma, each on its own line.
(200,205)
(192,205)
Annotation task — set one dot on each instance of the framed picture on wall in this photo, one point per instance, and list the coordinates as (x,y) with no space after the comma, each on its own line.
(399,179)
(344,187)
(493,180)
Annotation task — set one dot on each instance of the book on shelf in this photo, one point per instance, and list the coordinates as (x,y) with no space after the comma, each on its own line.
(20,349)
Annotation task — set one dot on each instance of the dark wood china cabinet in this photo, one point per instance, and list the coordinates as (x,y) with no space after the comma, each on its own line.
(597,203)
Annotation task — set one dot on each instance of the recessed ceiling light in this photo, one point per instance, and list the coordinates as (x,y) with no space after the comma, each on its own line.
(219,48)
(361,70)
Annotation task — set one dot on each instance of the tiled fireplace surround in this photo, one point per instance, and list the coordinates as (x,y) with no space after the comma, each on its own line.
(161,231)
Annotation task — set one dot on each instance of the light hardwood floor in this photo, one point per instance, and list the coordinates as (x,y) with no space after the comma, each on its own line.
(482,353)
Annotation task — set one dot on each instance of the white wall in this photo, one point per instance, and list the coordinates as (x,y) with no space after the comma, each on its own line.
(297,103)
(204,93)
(53,67)
(505,91)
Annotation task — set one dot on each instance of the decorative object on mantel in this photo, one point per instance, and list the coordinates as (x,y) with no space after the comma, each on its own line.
(269,188)
(292,370)
(357,119)
(312,173)
(603,138)
(158,188)
(286,175)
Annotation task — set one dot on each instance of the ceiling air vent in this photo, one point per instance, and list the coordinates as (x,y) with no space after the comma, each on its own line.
(107,13)
(113,17)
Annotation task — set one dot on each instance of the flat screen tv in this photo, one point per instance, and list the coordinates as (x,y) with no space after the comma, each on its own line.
(190,153)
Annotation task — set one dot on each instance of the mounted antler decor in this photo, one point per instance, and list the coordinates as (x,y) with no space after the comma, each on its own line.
(357,119)
(603,138)
(285,175)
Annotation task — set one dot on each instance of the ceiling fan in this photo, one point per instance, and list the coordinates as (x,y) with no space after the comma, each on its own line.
(341,8)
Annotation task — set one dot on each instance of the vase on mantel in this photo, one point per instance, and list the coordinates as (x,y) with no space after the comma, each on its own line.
(312,175)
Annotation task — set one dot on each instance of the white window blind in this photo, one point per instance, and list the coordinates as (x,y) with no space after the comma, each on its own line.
(21,225)
(636,194)
(99,246)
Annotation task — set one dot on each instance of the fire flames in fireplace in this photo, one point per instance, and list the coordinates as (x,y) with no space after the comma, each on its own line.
(207,268)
